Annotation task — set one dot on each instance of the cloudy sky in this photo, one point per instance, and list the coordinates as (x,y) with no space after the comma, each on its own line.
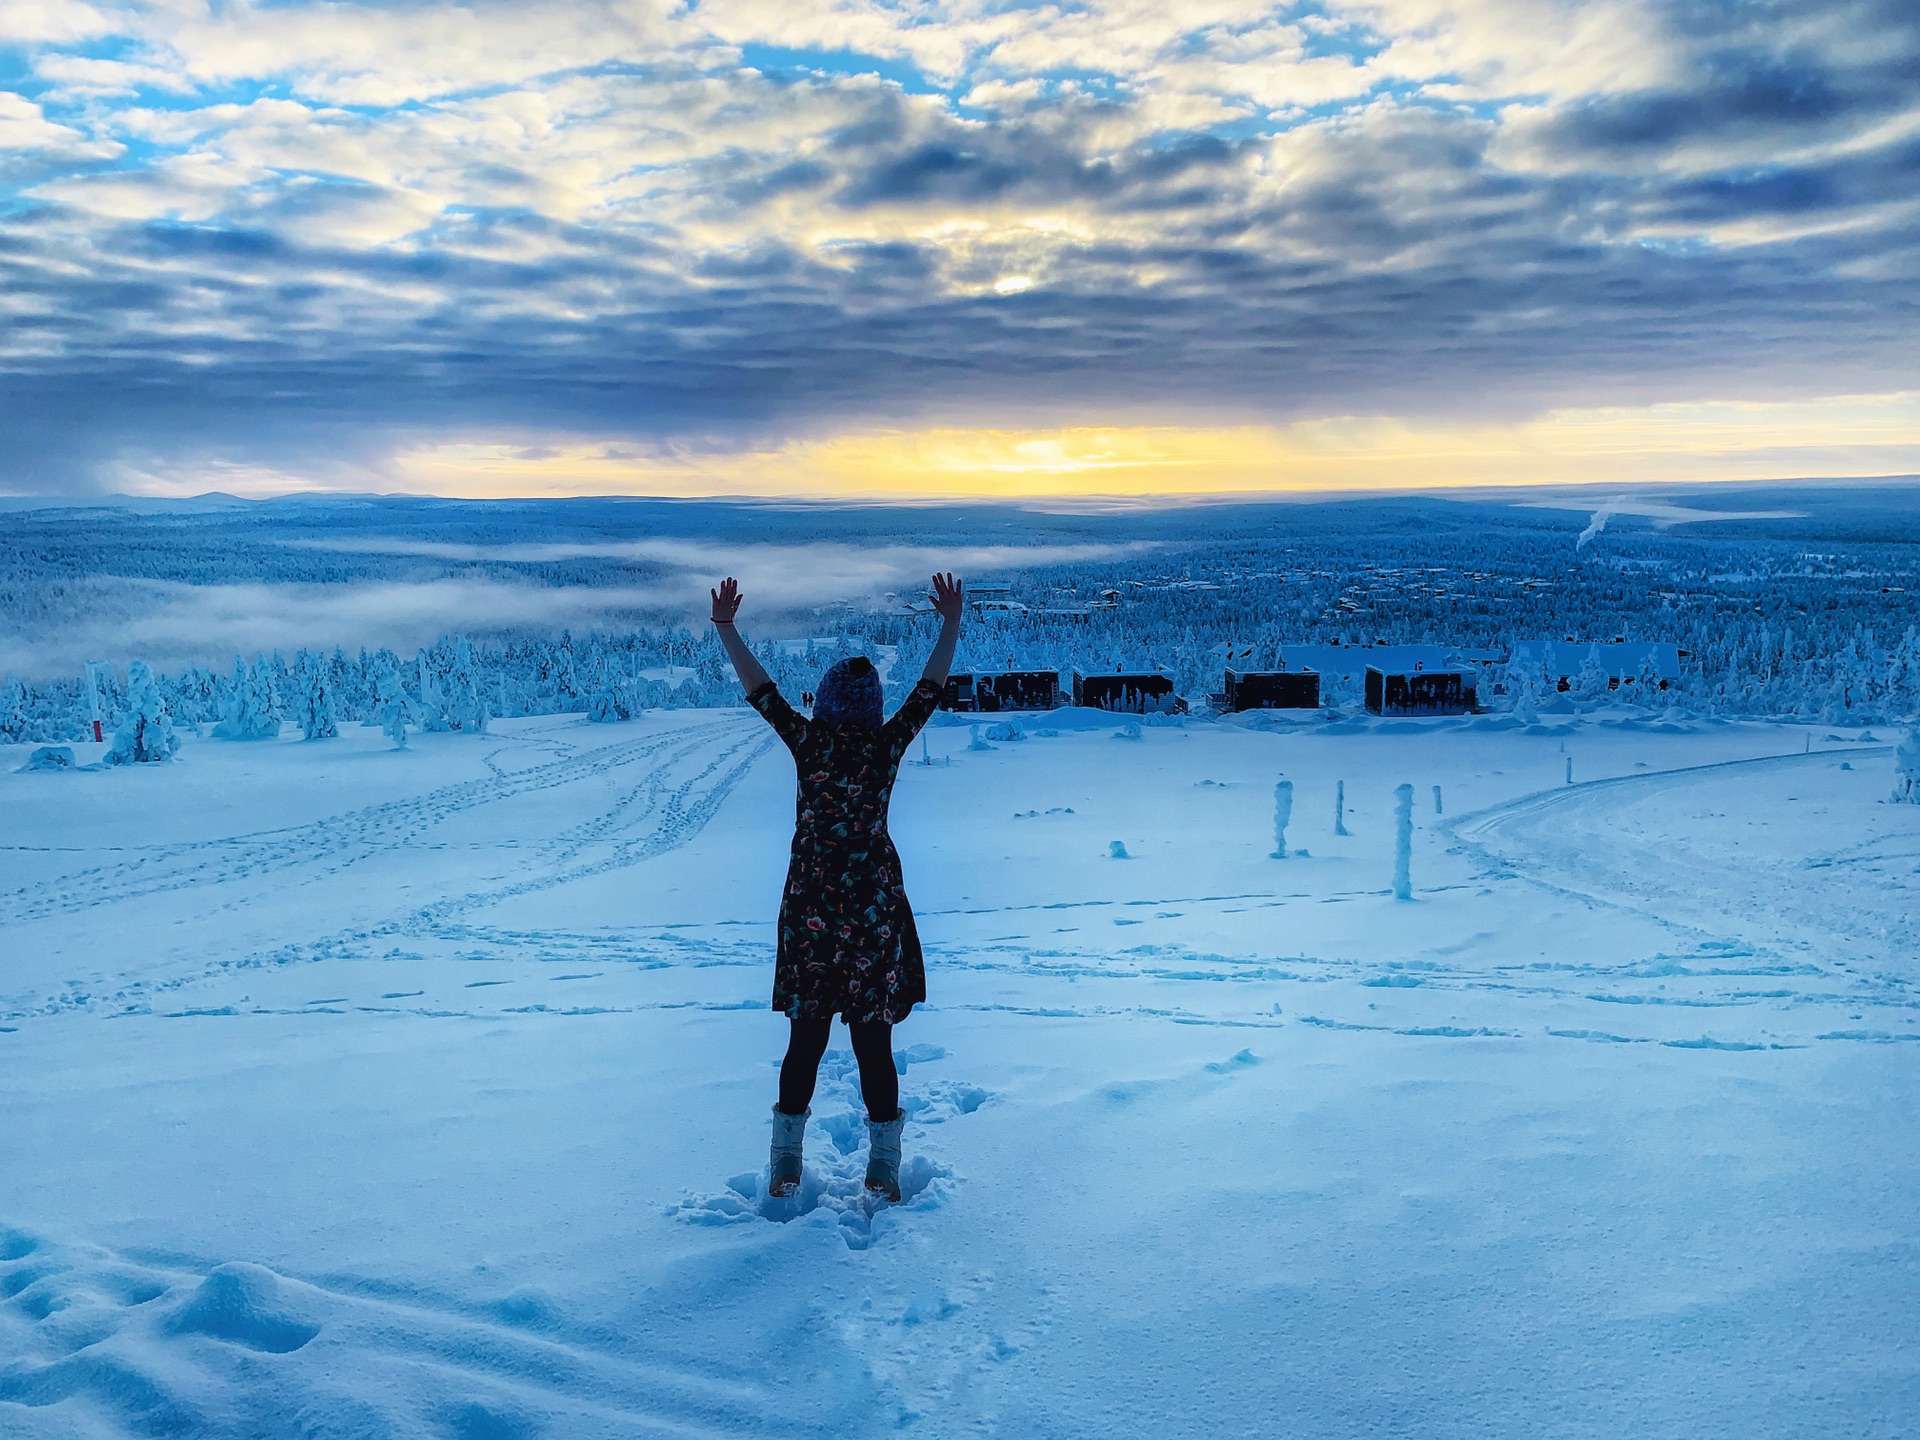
(755,246)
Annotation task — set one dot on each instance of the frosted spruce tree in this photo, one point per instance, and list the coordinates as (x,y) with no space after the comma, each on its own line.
(1906,769)
(1647,682)
(250,712)
(146,734)
(313,705)
(433,706)
(1524,682)
(392,708)
(450,691)
(13,712)
(462,696)
(1591,684)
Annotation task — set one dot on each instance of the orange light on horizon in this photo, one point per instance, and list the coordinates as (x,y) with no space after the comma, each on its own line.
(1701,442)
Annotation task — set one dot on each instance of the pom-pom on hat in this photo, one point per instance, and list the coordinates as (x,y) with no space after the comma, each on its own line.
(849,694)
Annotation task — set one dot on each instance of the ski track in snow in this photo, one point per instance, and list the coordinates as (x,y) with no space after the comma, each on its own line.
(1546,839)
(1783,917)
(337,841)
(660,813)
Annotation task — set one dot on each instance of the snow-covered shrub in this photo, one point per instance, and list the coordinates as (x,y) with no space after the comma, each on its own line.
(49,757)
(1906,768)
(608,706)
(146,734)
(313,706)
(250,712)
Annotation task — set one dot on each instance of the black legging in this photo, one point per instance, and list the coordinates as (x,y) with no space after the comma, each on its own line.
(872,1047)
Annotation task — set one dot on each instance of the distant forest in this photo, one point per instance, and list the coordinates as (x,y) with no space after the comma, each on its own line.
(1815,617)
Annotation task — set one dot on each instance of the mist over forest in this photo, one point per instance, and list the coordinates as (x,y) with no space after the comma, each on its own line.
(1799,602)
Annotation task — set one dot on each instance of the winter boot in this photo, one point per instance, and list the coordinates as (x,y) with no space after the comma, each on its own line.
(883,1155)
(783,1163)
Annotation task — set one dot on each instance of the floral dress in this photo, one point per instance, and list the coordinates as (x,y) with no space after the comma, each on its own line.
(847,943)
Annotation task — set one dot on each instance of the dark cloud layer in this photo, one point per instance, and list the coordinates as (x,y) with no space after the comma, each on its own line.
(693,250)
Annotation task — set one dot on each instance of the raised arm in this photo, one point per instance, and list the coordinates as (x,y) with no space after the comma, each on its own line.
(726,605)
(949,601)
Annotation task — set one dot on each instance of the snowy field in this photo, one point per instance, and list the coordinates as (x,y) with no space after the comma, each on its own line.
(353,1092)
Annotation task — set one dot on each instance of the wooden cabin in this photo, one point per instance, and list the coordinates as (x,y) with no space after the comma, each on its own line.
(1006,690)
(1448,690)
(1130,693)
(1272,690)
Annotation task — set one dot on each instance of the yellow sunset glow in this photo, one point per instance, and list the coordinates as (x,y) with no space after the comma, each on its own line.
(1843,436)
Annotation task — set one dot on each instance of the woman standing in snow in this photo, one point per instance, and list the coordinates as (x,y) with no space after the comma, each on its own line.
(847,944)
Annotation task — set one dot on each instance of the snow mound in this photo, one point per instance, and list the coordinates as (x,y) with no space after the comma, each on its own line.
(241,1304)
(50,757)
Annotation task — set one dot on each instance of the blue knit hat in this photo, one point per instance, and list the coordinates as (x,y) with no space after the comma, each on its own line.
(849,694)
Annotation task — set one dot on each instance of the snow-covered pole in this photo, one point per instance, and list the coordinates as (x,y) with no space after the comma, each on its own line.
(1403,842)
(1436,801)
(1340,807)
(1282,813)
(1569,769)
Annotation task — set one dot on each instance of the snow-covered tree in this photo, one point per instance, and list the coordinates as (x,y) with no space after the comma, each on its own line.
(1591,683)
(312,684)
(146,734)
(1646,683)
(392,707)
(250,712)
(1906,769)
(1524,684)
(452,696)
(13,712)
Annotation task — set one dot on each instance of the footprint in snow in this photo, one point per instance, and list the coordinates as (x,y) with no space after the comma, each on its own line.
(833,1182)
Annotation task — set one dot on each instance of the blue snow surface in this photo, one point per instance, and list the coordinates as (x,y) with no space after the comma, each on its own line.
(359,1090)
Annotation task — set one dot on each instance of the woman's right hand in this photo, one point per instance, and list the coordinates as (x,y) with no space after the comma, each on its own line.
(949,598)
(726,601)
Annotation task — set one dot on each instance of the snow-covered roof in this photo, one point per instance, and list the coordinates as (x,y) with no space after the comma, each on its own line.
(1350,661)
